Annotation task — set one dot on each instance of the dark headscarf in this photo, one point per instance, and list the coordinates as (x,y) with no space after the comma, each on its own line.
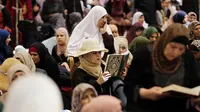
(75,18)
(179,17)
(149,31)
(47,31)
(47,62)
(132,32)
(174,33)
(3,47)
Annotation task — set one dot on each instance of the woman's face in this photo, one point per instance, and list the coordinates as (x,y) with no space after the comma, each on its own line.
(153,37)
(102,22)
(141,19)
(196,31)
(122,49)
(17,75)
(60,37)
(192,18)
(35,57)
(185,19)
(96,57)
(173,50)
(8,40)
(88,95)
(138,33)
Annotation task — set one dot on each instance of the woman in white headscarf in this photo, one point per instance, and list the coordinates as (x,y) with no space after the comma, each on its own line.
(40,94)
(94,26)
(139,17)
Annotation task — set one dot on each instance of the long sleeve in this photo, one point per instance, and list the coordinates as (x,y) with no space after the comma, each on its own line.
(30,10)
(6,19)
(109,42)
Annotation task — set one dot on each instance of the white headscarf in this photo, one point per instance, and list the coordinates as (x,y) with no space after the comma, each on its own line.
(136,18)
(87,28)
(33,93)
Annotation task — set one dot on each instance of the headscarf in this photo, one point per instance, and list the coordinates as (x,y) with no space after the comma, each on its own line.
(60,48)
(87,28)
(132,32)
(103,104)
(138,43)
(9,62)
(192,14)
(179,17)
(160,63)
(191,28)
(19,48)
(149,31)
(26,59)
(3,47)
(136,18)
(78,94)
(123,41)
(88,66)
(18,67)
(34,93)
(75,18)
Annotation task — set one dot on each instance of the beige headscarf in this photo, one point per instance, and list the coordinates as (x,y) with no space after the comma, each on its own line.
(26,59)
(78,94)
(87,65)
(63,47)
(18,67)
(103,104)
(124,42)
(8,63)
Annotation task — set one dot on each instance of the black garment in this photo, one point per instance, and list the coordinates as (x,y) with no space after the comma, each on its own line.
(140,75)
(51,7)
(60,59)
(148,8)
(47,62)
(30,33)
(81,76)
(191,6)
(6,18)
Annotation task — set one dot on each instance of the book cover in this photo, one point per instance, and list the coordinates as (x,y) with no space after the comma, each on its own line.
(115,64)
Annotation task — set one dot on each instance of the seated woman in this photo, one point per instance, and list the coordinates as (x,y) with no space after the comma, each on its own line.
(151,69)
(25,58)
(5,49)
(59,51)
(139,17)
(82,95)
(14,72)
(90,70)
(45,61)
(151,33)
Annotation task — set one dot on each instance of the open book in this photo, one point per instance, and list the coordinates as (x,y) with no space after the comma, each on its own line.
(181,91)
(115,64)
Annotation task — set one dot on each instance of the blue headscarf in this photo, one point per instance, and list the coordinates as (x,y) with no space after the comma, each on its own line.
(179,17)
(3,47)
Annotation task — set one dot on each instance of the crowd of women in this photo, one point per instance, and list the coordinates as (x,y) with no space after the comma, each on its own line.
(53,58)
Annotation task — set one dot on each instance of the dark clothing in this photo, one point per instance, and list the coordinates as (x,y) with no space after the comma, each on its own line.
(47,62)
(108,41)
(81,76)
(191,6)
(73,6)
(51,7)
(59,59)
(5,19)
(148,8)
(141,75)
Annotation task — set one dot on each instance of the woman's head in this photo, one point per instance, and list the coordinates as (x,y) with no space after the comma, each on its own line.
(123,45)
(151,33)
(169,48)
(38,52)
(40,94)
(4,38)
(194,28)
(192,17)
(62,36)
(114,30)
(180,17)
(138,17)
(9,62)
(103,104)
(17,71)
(82,95)
(25,58)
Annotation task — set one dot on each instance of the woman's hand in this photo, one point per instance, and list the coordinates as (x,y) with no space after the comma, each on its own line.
(153,93)
(103,29)
(103,78)
(66,66)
